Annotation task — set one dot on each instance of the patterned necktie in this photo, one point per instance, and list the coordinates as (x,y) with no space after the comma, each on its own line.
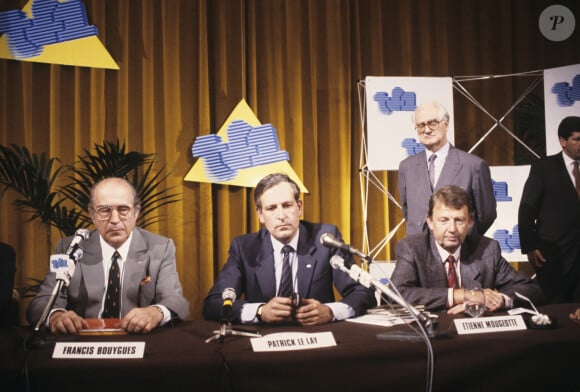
(431,170)
(113,289)
(576,173)
(286,289)
(451,273)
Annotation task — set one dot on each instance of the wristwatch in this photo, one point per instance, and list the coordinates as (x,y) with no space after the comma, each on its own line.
(259,313)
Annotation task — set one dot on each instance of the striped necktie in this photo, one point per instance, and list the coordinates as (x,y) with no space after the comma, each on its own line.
(451,273)
(286,289)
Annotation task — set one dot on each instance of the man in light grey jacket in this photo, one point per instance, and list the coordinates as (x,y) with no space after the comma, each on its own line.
(150,292)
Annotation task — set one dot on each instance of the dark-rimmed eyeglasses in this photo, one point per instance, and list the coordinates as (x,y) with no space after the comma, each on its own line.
(432,124)
(104,213)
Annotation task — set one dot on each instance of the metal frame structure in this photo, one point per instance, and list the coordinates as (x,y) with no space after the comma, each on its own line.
(368,177)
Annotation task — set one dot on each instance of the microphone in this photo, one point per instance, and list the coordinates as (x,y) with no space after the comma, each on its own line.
(366,279)
(63,265)
(229,297)
(74,251)
(329,241)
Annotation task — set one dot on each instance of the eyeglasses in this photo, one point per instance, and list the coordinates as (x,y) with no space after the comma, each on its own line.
(432,124)
(104,213)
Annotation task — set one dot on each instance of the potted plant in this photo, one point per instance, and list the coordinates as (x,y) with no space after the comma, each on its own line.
(34,178)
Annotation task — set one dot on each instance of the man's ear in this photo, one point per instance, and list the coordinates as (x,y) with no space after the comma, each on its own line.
(429,222)
(260,216)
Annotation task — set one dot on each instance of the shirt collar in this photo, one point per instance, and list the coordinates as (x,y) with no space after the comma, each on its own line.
(567,160)
(108,251)
(444,254)
(277,245)
(441,153)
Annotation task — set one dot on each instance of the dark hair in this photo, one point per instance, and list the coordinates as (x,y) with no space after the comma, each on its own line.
(136,200)
(271,180)
(451,196)
(567,126)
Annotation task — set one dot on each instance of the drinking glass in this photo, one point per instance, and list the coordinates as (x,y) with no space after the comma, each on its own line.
(474,300)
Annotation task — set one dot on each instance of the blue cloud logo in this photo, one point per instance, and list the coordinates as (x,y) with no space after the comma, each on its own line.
(247,147)
(52,22)
(566,94)
(508,242)
(400,100)
(412,146)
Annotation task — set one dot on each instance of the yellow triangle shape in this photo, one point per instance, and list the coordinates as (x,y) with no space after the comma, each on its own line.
(246,177)
(83,52)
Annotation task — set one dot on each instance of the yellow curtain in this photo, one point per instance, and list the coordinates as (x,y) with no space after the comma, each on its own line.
(185,64)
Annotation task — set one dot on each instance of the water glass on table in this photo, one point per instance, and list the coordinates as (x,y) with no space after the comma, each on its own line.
(474,301)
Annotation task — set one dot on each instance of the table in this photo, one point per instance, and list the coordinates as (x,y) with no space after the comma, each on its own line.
(178,358)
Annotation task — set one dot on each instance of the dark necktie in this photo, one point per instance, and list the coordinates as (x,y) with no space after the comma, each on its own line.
(576,173)
(113,290)
(451,273)
(431,170)
(286,289)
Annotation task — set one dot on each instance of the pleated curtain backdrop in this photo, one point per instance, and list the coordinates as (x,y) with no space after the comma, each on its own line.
(185,64)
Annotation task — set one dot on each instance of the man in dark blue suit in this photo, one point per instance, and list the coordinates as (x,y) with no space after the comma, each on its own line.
(255,266)
(549,217)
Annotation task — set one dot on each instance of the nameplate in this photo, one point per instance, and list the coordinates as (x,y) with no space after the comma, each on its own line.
(98,350)
(290,341)
(467,326)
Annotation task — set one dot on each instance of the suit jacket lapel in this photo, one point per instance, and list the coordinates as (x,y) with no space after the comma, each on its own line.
(91,275)
(470,271)
(265,275)
(434,263)
(136,268)
(421,169)
(306,263)
(451,167)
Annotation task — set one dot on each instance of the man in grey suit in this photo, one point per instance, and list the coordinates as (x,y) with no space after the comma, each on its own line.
(438,165)
(256,266)
(435,267)
(150,291)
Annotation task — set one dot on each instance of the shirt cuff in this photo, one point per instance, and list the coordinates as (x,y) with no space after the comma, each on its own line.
(340,310)
(166,314)
(450,297)
(248,314)
(509,303)
(46,323)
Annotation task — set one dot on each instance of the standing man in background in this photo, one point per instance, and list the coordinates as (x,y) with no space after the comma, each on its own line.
(439,165)
(549,217)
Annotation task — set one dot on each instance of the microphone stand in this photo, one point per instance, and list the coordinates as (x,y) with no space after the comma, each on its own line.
(38,337)
(364,278)
(226,329)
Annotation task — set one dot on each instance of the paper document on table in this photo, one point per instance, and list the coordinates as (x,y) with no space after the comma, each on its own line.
(380,320)
(388,316)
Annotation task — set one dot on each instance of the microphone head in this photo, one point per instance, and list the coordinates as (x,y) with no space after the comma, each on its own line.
(328,240)
(229,294)
(82,233)
(336,262)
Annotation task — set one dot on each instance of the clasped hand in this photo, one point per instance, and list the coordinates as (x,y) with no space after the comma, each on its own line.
(308,312)
(493,301)
(138,320)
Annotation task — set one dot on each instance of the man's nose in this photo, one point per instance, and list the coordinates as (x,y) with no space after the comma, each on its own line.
(280,213)
(114,215)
